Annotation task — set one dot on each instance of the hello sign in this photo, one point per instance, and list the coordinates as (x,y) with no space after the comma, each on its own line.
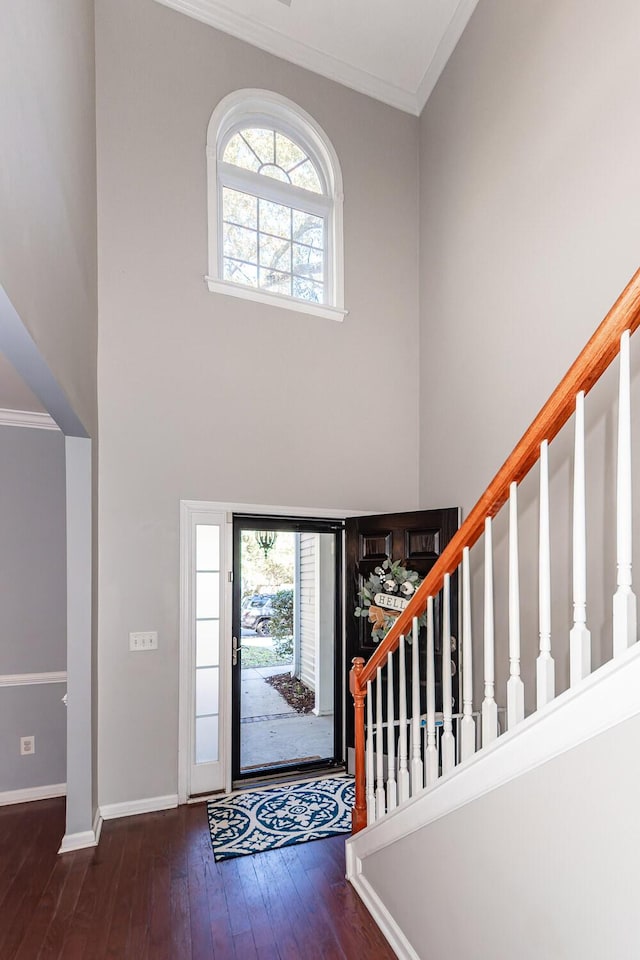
(389,602)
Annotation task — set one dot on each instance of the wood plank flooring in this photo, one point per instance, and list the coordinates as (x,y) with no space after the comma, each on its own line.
(152,891)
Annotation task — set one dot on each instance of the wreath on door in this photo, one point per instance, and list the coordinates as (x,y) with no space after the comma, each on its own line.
(385,594)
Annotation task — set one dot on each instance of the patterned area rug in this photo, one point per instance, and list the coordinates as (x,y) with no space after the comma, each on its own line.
(280,816)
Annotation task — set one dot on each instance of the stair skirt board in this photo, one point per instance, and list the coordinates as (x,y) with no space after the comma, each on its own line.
(604,699)
(33,793)
(388,926)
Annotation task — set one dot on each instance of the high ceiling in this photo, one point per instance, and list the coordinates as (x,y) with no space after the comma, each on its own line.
(393,51)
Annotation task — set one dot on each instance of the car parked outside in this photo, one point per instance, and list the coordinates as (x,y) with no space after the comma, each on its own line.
(256,613)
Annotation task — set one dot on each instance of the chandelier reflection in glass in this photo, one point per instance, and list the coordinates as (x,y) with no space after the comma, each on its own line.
(266,540)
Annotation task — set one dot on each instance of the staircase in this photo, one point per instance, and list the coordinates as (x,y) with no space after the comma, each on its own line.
(480,835)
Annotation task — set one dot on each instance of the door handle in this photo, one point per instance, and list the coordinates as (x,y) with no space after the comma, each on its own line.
(235,646)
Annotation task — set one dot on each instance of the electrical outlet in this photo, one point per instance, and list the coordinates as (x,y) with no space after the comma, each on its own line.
(27,746)
(143,640)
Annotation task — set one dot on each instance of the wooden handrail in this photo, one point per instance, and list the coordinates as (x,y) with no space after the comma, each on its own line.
(592,362)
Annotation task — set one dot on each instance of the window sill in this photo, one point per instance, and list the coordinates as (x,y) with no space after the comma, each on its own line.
(275,300)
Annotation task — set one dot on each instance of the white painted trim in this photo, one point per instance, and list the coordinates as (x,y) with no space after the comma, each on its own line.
(215,14)
(445,48)
(79,559)
(388,926)
(132,808)
(606,698)
(184,654)
(29,679)
(83,840)
(274,299)
(261,509)
(27,418)
(98,820)
(32,793)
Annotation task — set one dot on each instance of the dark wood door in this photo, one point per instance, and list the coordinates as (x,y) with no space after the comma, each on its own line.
(417,539)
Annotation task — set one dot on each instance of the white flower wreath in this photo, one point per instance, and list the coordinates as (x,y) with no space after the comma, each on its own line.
(388,580)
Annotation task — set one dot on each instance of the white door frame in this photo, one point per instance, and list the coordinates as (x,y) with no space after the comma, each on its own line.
(187,509)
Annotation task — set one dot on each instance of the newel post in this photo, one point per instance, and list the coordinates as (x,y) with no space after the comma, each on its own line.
(359,813)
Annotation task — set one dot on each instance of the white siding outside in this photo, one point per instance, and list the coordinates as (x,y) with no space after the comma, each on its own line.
(308,614)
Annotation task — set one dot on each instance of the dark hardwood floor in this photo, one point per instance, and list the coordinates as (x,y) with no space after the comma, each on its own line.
(152,890)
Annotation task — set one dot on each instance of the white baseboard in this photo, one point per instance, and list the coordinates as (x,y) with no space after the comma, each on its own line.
(84,839)
(97,825)
(33,793)
(131,808)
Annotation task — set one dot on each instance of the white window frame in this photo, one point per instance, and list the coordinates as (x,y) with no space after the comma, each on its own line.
(264,108)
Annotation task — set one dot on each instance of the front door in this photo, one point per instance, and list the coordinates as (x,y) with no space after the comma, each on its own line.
(417,540)
(287,645)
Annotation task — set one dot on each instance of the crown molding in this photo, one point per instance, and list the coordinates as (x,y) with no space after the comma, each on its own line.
(266,38)
(27,418)
(445,48)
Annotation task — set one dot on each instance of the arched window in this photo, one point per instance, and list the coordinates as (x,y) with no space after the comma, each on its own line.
(275,205)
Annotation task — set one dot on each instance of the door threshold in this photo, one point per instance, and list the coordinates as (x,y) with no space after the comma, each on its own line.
(299,775)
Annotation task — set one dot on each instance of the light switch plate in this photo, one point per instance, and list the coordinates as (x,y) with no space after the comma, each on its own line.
(143,640)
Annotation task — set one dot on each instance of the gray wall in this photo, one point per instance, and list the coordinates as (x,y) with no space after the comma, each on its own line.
(48,184)
(33,608)
(530,208)
(48,242)
(33,711)
(543,867)
(209,397)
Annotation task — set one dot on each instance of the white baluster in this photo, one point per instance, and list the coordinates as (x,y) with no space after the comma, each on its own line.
(515,686)
(392,787)
(624,600)
(380,792)
(489,705)
(417,769)
(403,756)
(468,727)
(448,740)
(579,637)
(371,796)
(545,667)
(432,751)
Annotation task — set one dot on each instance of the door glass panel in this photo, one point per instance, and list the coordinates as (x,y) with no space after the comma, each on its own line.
(206,691)
(207,643)
(207,547)
(285,673)
(206,739)
(207,596)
